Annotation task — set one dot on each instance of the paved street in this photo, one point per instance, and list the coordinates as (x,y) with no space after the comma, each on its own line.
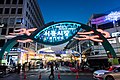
(65,73)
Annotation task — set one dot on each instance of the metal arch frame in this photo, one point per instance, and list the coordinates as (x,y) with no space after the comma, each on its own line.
(107,46)
(8,45)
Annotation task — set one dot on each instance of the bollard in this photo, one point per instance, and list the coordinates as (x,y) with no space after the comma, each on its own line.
(39,76)
(25,76)
(59,75)
(77,75)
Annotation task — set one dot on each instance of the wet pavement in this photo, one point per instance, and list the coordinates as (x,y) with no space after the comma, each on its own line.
(42,74)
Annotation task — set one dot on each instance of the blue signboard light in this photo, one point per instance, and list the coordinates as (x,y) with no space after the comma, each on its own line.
(58,33)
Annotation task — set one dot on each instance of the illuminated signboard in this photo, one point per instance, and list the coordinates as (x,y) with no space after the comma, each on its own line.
(58,33)
(115,34)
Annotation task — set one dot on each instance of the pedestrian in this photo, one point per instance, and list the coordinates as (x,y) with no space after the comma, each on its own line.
(29,66)
(19,68)
(56,65)
(51,76)
(42,65)
(14,67)
(78,65)
(48,64)
(34,65)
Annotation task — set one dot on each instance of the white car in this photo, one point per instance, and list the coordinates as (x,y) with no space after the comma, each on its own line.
(112,74)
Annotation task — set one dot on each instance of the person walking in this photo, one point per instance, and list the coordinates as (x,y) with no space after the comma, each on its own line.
(51,76)
(56,65)
(29,65)
(19,68)
(48,65)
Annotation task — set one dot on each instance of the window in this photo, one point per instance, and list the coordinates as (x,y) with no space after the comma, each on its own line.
(118,22)
(20,2)
(96,53)
(24,45)
(8,1)
(2,42)
(27,45)
(3,31)
(16,45)
(5,20)
(14,2)
(0,20)
(13,10)
(10,30)
(1,10)
(118,69)
(106,26)
(1,1)
(8,40)
(26,14)
(12,20)
(94,26)
(26,23)
(95,43)
(19,20)
(6,10)
(29,8)
(19,11)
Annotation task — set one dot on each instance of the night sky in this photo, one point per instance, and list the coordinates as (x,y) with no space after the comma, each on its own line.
(75,10)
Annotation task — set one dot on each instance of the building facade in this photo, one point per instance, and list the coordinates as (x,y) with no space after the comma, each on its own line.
(95,50)
(111,26)
(16,14)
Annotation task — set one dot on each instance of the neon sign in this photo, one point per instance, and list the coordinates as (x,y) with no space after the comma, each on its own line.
(2,25)
(23,31)
(53,34)
(59,32)
(113,16)
(24,41)
(93,38)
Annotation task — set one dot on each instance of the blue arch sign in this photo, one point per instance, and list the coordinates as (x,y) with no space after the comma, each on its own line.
(57,33)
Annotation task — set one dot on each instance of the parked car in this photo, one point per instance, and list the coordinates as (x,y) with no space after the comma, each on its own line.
(113,73)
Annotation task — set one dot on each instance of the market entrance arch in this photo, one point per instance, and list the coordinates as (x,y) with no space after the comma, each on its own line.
(54,33)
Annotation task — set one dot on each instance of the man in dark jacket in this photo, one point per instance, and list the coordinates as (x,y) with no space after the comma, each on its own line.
(52,71)
(19,68)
